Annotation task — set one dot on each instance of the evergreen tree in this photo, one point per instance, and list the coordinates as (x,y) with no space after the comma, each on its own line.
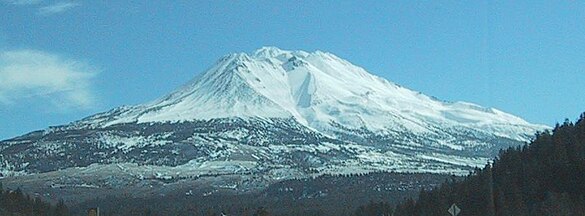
(544,177)
(18,203)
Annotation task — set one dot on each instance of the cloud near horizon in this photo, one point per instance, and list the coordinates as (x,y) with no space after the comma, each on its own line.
(23,2)
(36,75)
(47,9)
(58,7)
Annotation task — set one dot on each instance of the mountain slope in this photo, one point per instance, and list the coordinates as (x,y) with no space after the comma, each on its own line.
(316,89)
(279,114)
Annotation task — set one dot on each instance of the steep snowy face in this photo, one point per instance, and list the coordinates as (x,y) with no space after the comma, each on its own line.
(320,91)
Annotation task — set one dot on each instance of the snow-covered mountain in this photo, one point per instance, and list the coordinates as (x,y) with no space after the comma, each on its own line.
(278,114)
(316,89)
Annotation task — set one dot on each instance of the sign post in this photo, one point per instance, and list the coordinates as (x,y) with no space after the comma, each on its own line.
(454,210)
(93,212)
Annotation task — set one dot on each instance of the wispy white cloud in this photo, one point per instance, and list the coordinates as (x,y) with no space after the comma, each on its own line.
(37,75)
(23,2)
(45,9)
(58,7)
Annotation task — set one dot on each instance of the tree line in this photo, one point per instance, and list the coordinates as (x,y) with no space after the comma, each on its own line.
(545,177)
(17,203)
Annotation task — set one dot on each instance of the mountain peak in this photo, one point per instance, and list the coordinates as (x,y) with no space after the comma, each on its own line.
(319,90)
(269,52)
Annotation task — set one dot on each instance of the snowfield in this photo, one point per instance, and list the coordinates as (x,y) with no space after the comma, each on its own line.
(316,89)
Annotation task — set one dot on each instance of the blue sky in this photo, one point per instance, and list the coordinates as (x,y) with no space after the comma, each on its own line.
(64,60)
